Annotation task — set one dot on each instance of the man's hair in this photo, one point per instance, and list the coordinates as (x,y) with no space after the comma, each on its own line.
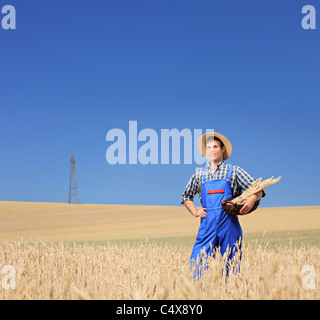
(215,138)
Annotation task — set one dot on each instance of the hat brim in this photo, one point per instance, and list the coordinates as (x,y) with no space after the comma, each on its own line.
(202,144)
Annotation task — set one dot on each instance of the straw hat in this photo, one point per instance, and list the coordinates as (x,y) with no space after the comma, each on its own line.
(202,144)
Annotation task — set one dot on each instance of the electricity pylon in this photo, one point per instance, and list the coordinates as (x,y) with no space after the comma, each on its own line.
(73,189)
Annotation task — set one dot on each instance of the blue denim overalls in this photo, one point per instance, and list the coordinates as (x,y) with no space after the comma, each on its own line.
(217,229)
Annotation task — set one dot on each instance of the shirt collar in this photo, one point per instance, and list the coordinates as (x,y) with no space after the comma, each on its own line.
(218,166)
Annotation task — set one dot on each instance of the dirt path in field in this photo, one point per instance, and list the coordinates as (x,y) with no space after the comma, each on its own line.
(61,221)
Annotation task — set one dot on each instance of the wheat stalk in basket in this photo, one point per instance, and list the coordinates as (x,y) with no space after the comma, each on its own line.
(257,186)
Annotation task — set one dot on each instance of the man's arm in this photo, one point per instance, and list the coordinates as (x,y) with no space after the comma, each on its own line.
(245,180)
(249,203)
(187,197)
(193,210)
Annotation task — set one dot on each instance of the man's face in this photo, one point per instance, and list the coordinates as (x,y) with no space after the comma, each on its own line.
(214,152)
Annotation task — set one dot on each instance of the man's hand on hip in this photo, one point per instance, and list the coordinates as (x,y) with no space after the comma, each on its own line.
(200,213)
(194,211)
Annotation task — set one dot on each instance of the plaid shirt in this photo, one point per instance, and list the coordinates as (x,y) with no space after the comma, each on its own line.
(240,180)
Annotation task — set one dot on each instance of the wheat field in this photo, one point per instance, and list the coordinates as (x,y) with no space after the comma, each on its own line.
(153,271)
(62,221)
(38,260)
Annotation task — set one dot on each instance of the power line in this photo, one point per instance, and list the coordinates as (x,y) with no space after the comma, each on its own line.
(73,189)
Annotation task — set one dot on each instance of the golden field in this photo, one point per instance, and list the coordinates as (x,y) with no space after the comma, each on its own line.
(36,242)
(46,270)
(62,221)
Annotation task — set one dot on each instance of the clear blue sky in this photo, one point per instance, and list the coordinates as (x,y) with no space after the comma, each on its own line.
(72,70)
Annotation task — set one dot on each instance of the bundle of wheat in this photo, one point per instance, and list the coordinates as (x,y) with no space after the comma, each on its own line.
(233,206)
(257,186)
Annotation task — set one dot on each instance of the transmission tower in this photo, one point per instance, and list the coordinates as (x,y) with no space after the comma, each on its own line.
(73,189)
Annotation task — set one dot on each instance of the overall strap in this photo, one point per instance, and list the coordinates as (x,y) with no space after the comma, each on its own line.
(204,174)
(229,172)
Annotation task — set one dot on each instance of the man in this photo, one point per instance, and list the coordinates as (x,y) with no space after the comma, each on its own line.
(215,183)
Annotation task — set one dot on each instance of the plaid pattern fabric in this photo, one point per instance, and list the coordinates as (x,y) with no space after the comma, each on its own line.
(240,180)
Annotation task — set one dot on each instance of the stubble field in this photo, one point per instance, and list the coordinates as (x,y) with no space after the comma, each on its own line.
(63,251)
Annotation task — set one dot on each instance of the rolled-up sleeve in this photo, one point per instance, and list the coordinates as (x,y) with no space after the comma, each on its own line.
(191,189)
